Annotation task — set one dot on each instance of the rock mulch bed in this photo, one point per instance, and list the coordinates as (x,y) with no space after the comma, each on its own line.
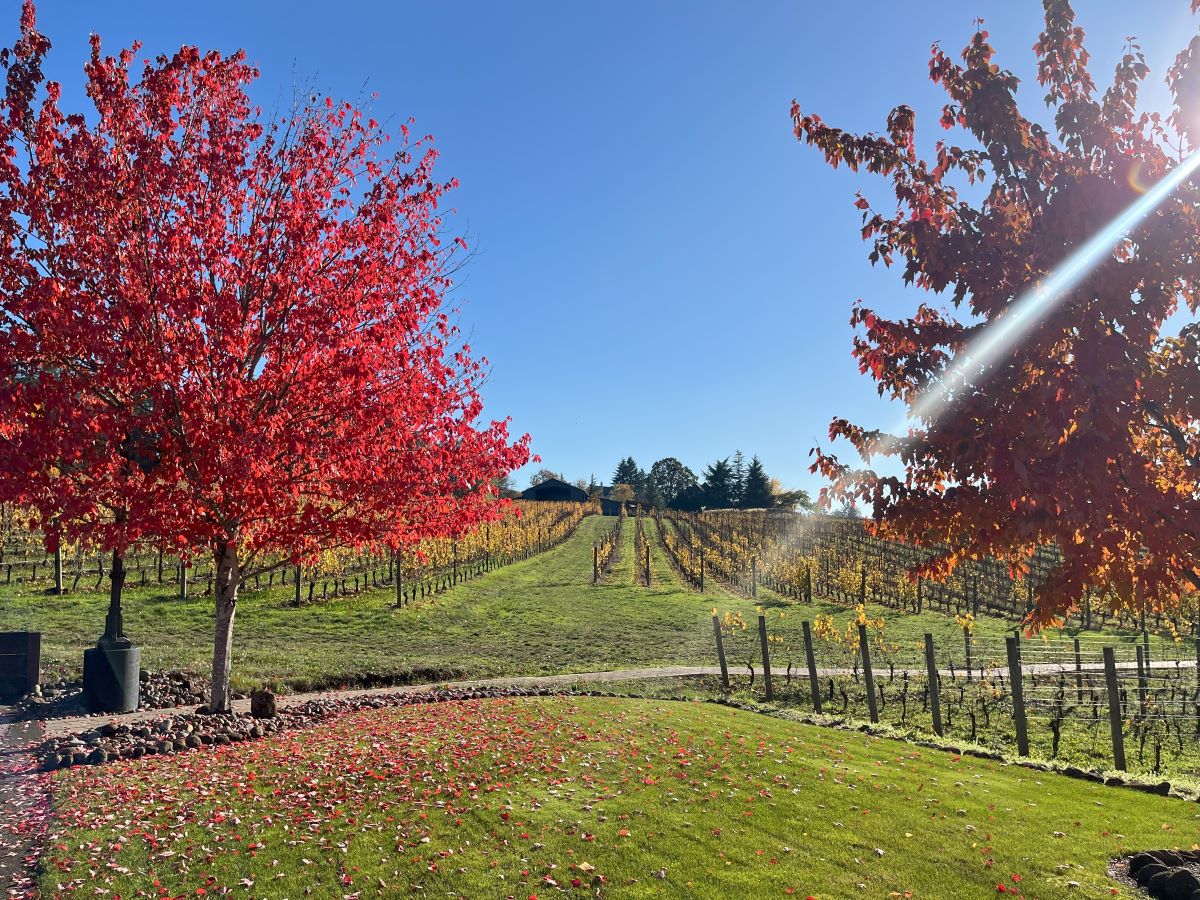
(1167,874)
(159,690)
(191,731)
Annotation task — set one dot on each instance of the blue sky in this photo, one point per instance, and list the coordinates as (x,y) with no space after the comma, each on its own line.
(661,269)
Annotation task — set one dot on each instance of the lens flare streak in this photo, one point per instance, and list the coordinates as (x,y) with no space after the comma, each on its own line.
(1035,304)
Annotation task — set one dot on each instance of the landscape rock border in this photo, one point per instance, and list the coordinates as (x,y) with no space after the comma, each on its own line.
(159,690)
(1166,874)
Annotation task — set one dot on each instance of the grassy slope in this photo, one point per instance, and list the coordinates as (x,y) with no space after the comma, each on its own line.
(539,616)
(659,798)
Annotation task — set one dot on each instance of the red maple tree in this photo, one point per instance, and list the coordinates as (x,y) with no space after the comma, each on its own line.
(228,330)
(1086,434)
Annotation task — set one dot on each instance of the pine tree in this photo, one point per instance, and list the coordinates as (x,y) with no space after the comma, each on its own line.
(756,492)
(718,481)
(627,472)
(737,481)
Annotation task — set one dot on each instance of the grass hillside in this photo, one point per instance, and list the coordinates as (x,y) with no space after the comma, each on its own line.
(540,616)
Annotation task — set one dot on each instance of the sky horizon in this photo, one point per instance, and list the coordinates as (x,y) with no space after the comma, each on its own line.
(659,268)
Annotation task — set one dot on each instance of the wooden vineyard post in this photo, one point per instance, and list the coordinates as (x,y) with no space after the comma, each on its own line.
(1142,665)
(967,645)
(296,586)
(1013,646)
(182,580)
(1114,709)
(647,549)
(754,578)
(766,657)
(868,676)
(921,595)
(808,588)
(811,658)
(1078,673)
(595,563)
(862,585)
(702,571)
(721,652)
(935,694)
(160,564)
(58,572)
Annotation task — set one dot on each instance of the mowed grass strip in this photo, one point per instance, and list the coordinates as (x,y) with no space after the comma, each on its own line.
(540,616)
(533,797)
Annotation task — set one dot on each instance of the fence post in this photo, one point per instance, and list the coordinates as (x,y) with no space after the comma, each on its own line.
(182,580)
(754,578)
(967,645)
(931,673)
(702,572)
(1013,646)
(647,548)
(595,563)
(811,658)
(766,656)
(921,599)
(868,676)
(1078,673)
(1142,664)
(721,652)
(296,586)
(1114,709)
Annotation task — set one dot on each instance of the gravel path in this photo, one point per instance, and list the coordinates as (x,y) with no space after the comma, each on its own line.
(61,727)
(24,801)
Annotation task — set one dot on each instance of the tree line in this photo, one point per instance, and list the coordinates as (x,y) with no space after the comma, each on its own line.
(727,483)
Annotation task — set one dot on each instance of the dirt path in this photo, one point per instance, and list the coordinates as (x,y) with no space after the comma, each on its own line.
(24,802)
(60,727)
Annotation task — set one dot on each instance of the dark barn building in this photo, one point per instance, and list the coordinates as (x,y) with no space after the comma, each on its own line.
(553,489)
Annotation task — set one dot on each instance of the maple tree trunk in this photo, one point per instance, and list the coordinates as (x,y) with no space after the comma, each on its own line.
(228,578)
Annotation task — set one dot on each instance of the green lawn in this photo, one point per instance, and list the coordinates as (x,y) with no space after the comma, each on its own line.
(527,798)
(536,617)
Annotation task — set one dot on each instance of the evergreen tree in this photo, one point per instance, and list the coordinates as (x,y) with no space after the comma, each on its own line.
(628,473)
(718,485)
(756,491)
(737,480)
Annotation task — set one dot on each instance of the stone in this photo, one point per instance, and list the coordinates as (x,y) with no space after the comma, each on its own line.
(1180,885)
(262,705)
(1139,861)
(1148,871)
(1169,857)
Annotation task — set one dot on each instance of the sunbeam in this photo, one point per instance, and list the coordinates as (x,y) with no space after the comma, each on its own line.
(1037,302)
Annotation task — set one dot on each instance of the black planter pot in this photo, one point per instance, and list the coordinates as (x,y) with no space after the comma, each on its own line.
(111,678)
(20,662)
